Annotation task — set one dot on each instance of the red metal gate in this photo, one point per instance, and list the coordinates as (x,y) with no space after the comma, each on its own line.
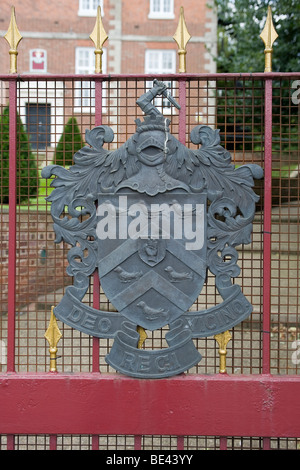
(85,404)
(257,398)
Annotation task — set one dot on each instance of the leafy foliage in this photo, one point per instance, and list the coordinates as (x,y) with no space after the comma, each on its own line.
(241,50)
(240,22)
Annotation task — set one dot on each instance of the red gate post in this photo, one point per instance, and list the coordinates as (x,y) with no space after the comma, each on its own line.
(98,36)
(223,443)
(96,280)
(268,36)
(137,442)
(13,37)
(53,442)
(267,228)
(12,225)
(182,111)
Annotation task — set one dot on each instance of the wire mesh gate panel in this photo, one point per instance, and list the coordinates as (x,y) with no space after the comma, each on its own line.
(258,118)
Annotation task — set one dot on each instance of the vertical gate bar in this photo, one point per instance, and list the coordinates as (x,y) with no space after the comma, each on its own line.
(10,442)
(137,437)
(223,443)
(95,442)
(96,304)
(98,101)
(53,442)
(96,280)
(137,442)
(266,443)
(182,111)
(267,228)
(180,442)
(12,225)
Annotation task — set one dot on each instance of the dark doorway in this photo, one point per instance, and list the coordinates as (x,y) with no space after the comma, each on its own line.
(38,122)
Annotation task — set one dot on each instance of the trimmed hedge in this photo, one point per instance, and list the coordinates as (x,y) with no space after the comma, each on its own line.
(69,143)
(27,173)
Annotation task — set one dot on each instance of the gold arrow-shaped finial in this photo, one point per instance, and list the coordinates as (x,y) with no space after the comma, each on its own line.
(53,336)
(143,336)
(268,35)
(182,37)
(222,340)
(13,37)
(98,36)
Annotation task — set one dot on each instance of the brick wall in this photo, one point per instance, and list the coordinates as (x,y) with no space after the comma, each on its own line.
(41,263)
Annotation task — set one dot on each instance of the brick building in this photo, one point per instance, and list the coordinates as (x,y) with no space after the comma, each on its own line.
(56,37)
(56,41)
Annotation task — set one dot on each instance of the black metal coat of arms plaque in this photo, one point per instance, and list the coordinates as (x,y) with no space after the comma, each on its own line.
(153,217)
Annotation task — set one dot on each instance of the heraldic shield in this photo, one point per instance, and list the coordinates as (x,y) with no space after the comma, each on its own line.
(153,254)
(153,217)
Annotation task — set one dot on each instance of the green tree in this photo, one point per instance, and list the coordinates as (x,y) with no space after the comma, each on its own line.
(27,175)
(241,50)
(69,143)
(240,22)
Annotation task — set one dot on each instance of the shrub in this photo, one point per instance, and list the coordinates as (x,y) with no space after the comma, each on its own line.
(27,175)
(69,143)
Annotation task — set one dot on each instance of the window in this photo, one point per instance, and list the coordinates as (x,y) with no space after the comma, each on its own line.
(89,7)
(38,60)
(38,124)
(161,61)
(161,9)
(85,90)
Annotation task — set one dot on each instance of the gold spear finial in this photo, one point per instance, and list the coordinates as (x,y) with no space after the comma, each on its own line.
(268,35)
(13,37)
(222,340)
(182,37)
(53,336)
(98,36)
(143,336)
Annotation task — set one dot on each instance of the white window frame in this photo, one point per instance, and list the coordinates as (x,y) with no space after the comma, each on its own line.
(160,12)
(163,104)
(86,103)
(89,7)
(50,92)
(31,60)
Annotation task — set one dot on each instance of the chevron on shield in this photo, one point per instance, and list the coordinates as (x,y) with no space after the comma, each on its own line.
(152,251)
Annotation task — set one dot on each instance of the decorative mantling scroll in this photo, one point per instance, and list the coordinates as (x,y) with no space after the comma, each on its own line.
(153,217)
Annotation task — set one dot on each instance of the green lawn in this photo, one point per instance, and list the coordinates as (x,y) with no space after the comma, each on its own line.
(39,202)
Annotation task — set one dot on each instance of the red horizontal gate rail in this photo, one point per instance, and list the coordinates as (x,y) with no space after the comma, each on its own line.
(92,403)
(219,405)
